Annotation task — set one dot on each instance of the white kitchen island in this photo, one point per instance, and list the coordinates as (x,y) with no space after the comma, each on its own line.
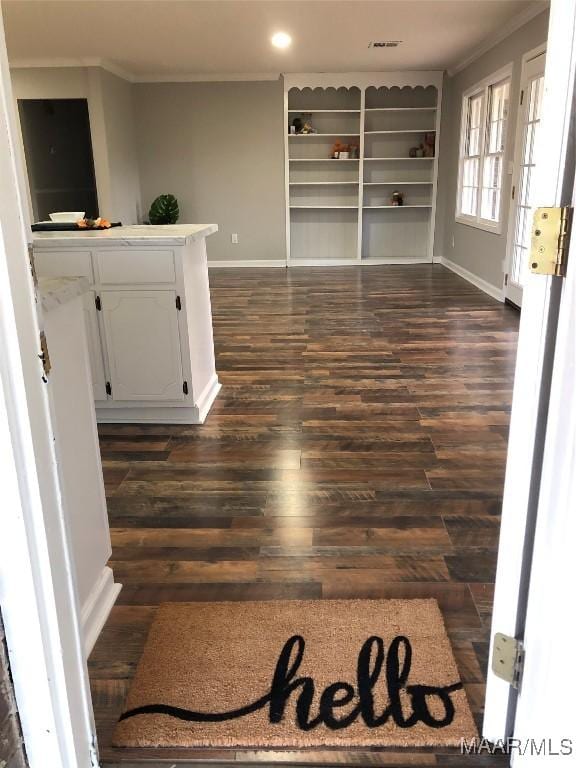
(148,316)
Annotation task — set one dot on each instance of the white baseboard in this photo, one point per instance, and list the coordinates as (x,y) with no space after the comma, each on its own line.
(111,413)
(324,263)
(403,260)
(371,262)
(318,262)
(97,607)
(151,415)
(491,290)
(207,397)
(247,263)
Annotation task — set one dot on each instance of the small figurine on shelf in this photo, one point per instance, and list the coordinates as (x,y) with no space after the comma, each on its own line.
(397,198)
(307,128)
(337,147)
(341,151)
(424,150)
(297,125)
(429,144)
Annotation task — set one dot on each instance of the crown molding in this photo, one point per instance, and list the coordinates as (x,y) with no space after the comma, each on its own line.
(516,22)
(116,69)
(61,63)
(130,77)
(218,77)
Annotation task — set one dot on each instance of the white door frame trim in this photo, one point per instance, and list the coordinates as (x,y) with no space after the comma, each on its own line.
(518,148)
(37,588)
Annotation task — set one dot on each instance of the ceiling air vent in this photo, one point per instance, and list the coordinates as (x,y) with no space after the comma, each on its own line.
(385,44)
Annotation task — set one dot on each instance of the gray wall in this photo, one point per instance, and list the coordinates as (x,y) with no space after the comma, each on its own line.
(118,109)
(219,148)
(476,250)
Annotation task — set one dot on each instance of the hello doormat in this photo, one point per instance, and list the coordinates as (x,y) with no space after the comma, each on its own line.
(297,674)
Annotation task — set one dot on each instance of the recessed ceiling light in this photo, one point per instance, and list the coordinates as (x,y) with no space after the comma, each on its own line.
(281,40)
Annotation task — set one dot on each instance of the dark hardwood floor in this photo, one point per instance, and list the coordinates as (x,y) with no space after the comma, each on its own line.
(357,450)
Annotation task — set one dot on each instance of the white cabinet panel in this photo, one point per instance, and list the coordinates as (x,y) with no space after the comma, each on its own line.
(63,264)
(143,344)
(78,264)
(135,265)
(95,353)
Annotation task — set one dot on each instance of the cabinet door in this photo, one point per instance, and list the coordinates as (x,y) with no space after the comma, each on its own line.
(94,347)
(143,344)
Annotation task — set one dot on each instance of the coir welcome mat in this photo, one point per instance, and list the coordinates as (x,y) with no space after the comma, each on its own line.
(297,674)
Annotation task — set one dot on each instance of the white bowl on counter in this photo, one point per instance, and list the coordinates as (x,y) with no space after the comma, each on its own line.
(67,217)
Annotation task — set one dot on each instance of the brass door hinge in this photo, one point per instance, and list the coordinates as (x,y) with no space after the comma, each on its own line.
(551,229)
(508,659)
(44,356)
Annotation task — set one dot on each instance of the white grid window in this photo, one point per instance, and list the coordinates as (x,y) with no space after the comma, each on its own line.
(482,144)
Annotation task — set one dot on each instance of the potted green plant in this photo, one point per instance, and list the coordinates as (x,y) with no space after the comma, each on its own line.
(164,210)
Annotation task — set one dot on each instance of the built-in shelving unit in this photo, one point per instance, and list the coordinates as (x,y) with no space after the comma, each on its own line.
(340,211)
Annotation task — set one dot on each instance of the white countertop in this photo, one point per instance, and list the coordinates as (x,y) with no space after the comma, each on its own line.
(55,291)
(166,234)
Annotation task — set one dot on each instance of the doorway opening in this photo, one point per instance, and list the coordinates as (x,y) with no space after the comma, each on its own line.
(59,159)
(358,451)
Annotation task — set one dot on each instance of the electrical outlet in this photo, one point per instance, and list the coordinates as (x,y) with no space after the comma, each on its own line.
(234,238)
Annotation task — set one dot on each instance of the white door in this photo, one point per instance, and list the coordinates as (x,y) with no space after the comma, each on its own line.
(525,527)
(37,588)
(550,665)
(143,345)
(523,188)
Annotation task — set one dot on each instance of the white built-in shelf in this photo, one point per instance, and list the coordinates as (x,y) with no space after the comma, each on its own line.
(328,211)
(400,109)
(404,130)
(321,183)
(394,183)
(386,159)
(323,111)
(332,160)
